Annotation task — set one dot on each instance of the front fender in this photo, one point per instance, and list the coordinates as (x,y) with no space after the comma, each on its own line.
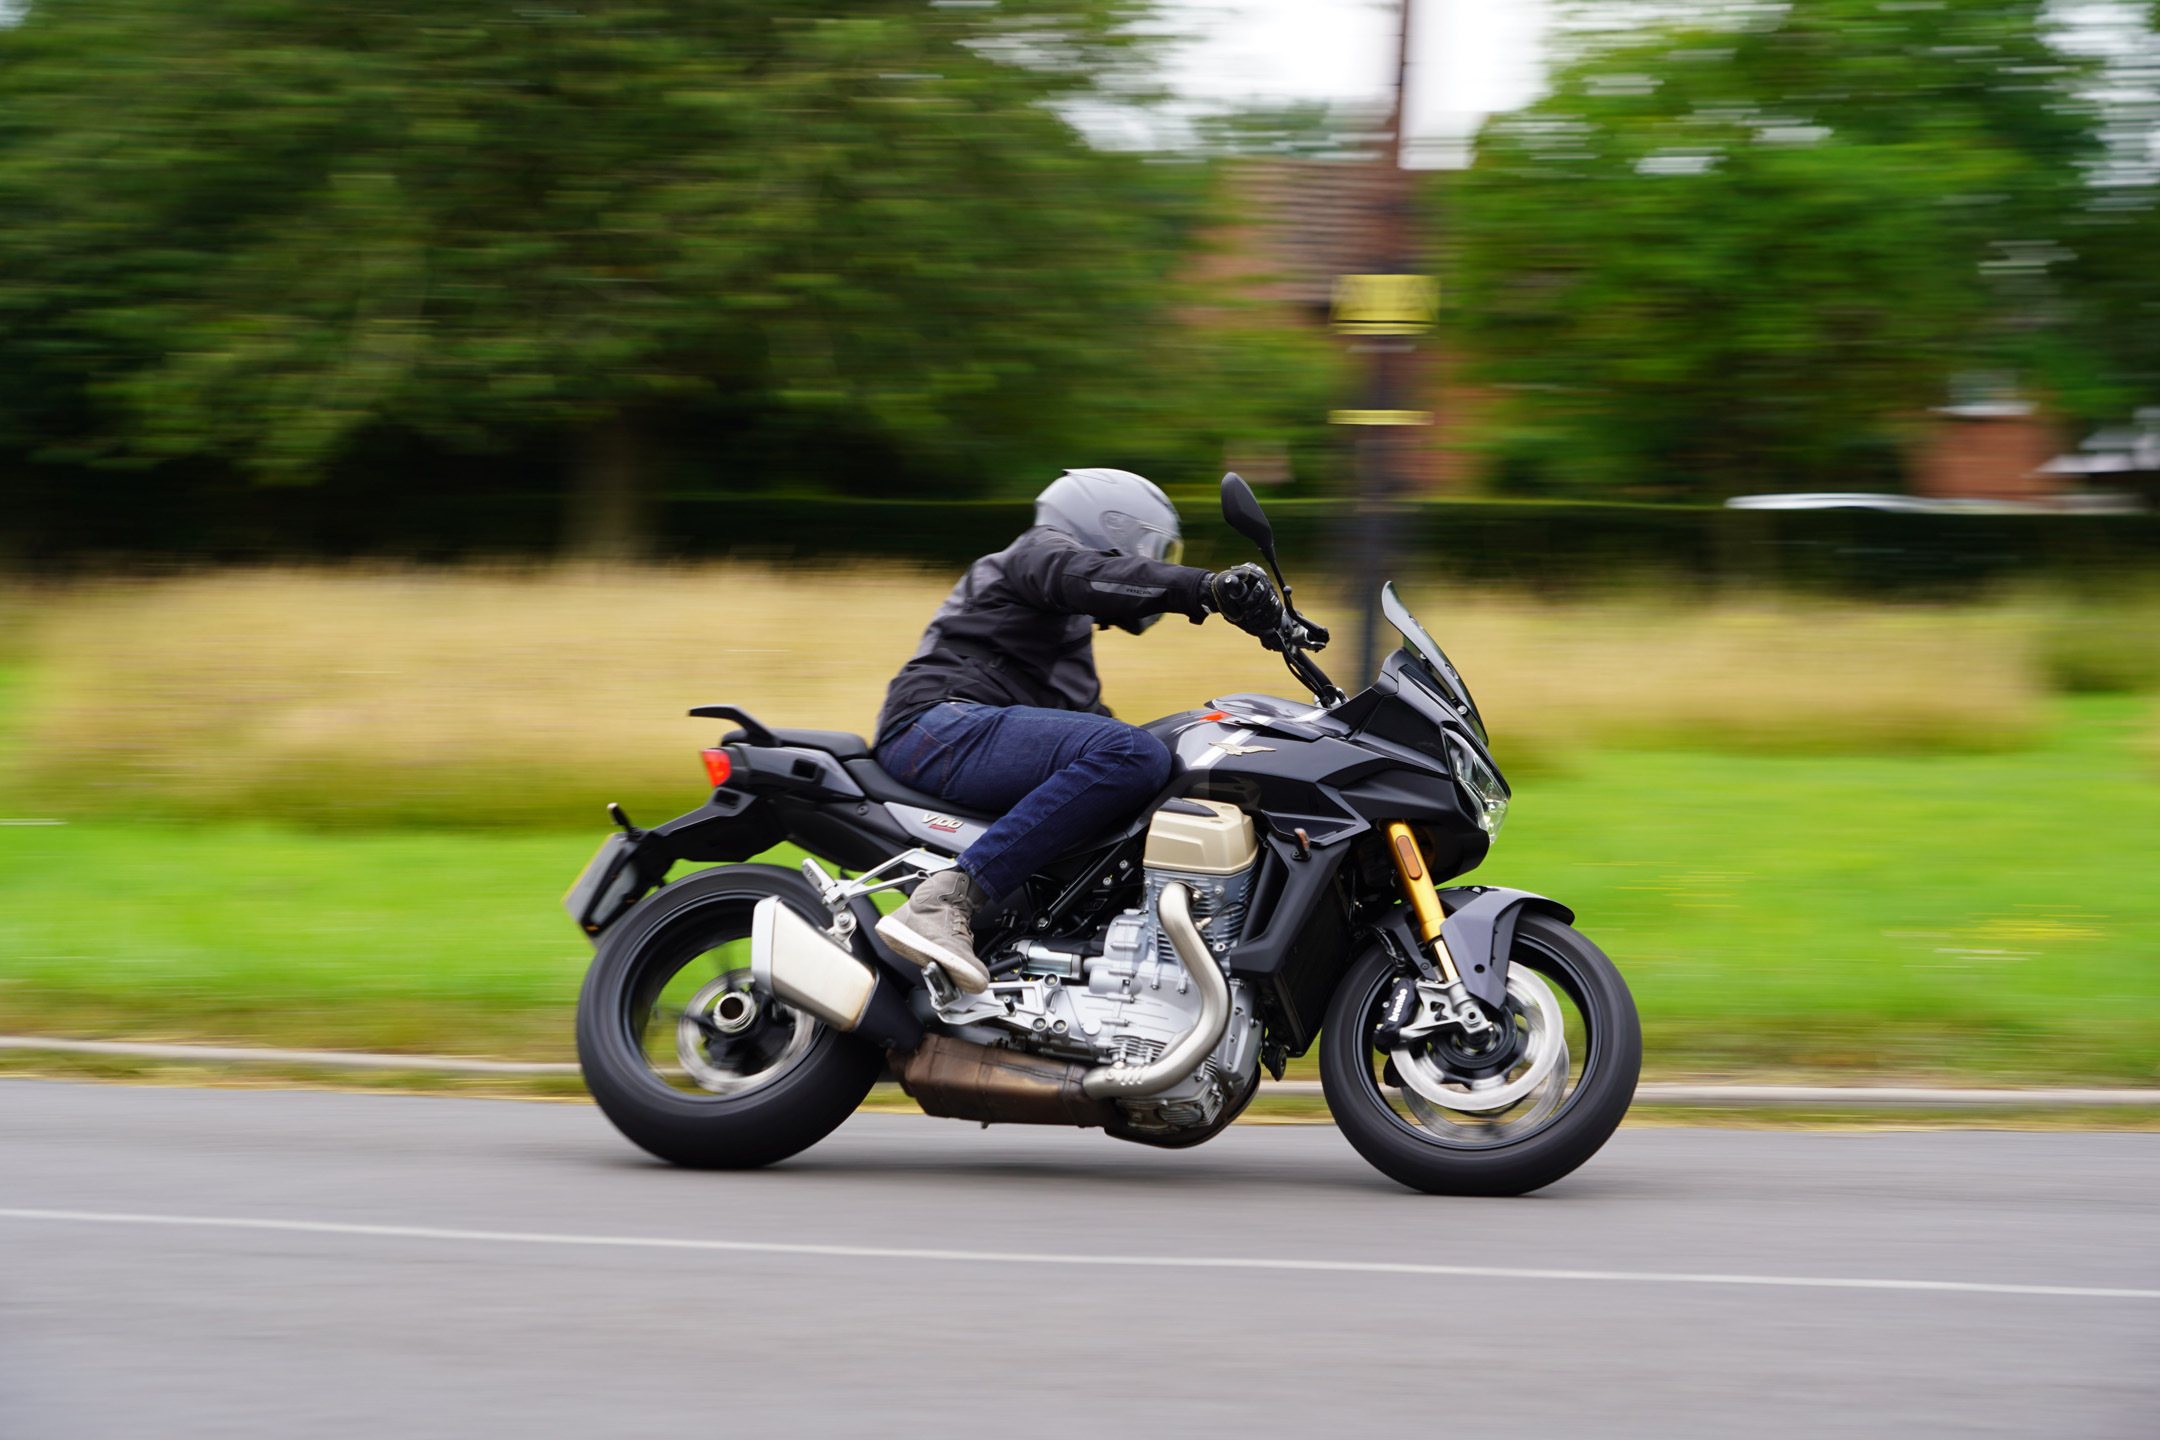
(1480,933)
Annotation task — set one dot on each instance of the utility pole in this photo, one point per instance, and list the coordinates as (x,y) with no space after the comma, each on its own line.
(1384,311)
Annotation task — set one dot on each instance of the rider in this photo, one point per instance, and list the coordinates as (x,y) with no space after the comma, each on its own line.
(1000,709)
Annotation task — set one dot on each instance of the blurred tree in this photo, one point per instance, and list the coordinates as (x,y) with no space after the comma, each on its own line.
(1745,253)
(252,231)
(2113,276)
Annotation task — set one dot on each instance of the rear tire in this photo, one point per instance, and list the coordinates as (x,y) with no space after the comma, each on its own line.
(711,1096)
(1423,1151)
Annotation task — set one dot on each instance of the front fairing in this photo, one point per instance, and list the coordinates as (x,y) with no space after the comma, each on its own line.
(1418,702)
(1404,707)
(1333,774)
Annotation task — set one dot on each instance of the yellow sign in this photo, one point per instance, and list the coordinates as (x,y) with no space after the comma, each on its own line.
(1385,304)
(1379,417)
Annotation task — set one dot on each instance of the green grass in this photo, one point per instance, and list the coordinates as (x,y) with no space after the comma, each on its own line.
(1966,916)
(422,941)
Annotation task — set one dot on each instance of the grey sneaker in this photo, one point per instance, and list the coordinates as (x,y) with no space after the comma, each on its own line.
(933,928)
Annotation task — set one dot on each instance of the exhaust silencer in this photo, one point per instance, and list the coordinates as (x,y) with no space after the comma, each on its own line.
(794,961)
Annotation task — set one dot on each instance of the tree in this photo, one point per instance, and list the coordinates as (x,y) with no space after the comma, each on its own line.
(1743,255)
(253,231)
(2112,277)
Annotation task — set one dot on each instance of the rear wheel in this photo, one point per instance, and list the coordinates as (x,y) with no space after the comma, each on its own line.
(1452,1118)
(688,1060)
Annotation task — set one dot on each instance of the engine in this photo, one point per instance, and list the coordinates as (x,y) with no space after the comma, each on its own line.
(1131,1000)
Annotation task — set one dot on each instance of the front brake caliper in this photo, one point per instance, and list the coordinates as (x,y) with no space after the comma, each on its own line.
(1403,1007)
(1441,1007)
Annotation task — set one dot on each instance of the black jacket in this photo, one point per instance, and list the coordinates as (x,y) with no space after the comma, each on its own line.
(1018,628)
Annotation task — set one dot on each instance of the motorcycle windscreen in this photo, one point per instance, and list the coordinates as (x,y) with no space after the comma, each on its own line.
(1427,649)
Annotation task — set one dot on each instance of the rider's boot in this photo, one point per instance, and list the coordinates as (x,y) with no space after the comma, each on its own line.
(933,928)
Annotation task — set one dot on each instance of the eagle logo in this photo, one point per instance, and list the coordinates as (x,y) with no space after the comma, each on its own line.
(1231,749)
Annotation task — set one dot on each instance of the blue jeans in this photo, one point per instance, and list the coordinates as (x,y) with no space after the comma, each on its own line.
(1059,777)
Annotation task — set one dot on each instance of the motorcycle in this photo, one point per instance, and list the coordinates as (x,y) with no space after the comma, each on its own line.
(1292,886)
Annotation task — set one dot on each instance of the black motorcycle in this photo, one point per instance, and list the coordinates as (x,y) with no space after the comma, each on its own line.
(1286,889)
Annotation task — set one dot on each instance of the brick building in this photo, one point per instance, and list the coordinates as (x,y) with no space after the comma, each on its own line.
(1301,223)
(1991,450)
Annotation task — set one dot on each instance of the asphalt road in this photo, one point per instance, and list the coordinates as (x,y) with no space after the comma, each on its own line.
(387,1266)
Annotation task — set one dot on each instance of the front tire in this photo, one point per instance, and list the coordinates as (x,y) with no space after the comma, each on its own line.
(685,1058)
(1431,1147)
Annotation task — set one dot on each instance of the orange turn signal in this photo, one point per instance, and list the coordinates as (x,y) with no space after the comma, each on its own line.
(717,766)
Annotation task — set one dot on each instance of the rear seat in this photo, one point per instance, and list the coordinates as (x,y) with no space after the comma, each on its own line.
(841,744)
(853,753)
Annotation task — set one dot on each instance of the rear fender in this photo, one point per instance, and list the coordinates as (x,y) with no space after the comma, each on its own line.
(731,826)
(1480,933)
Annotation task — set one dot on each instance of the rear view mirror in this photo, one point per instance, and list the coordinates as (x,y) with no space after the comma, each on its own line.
(1241,508)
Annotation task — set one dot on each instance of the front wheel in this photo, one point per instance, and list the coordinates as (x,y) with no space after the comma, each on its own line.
(1554,1097)
(685,1057)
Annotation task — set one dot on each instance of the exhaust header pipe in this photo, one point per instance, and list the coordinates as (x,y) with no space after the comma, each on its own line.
(794,961)
(1174,910)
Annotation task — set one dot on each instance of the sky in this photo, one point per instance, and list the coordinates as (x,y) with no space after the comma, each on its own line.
(1469,58)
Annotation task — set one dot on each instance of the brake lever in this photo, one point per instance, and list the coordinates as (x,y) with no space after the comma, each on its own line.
(1310,636)
(1311,676)
(1295,633)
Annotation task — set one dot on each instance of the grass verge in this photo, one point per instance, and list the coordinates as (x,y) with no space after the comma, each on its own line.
(1951,917)
(1934,916)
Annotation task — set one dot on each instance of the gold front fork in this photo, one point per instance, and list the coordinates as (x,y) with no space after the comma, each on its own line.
(1424,899)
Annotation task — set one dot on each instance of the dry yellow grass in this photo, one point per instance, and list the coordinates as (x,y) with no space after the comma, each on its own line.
(353,696)
(1759,675)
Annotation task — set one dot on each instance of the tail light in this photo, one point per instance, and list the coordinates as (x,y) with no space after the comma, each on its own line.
(717,766)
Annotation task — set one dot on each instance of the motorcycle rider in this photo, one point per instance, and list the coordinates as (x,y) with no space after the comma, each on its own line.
(1000,709)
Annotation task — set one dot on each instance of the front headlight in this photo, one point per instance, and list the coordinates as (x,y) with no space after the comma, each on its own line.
(1487,792)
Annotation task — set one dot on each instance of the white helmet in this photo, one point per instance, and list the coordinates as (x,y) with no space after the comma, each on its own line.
(1112,510)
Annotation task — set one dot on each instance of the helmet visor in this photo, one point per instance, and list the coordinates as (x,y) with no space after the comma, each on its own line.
(1155,545)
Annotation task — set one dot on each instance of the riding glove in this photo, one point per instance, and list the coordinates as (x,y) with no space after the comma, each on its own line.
(1243,596)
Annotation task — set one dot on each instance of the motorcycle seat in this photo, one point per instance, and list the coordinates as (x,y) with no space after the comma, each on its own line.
(852,751)
(880,786)
(840,744)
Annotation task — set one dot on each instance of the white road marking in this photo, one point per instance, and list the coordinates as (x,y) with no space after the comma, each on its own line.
(1010,1257)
